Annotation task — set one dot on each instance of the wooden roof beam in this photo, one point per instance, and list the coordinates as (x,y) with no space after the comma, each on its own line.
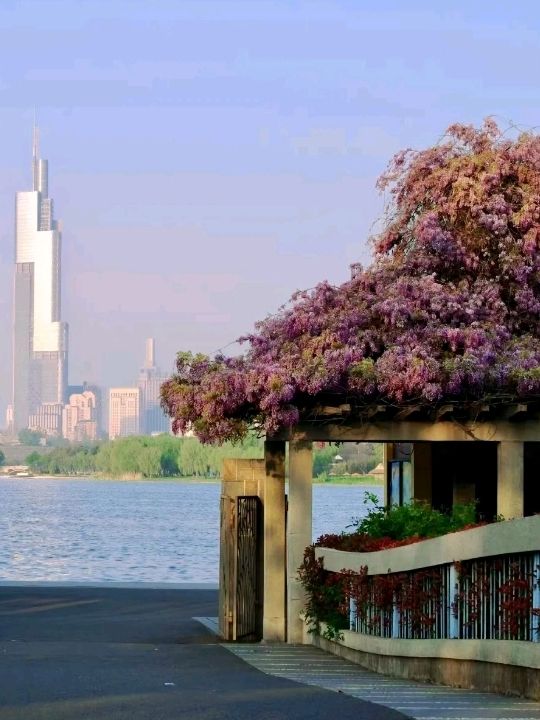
(515,411)
(479,410)
(443,411)
(406,412)
(329,410)
(375,410)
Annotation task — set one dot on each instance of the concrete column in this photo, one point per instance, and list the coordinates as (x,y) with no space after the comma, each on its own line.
(299,529)
(274,619)
(510,491)
(388,454)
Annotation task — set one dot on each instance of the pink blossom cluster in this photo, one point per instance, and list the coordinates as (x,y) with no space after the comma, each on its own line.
(448,311)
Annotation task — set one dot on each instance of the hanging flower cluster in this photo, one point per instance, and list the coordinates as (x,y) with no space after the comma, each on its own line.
(448,311)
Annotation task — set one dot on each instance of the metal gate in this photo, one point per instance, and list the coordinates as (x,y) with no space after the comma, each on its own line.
(241,568)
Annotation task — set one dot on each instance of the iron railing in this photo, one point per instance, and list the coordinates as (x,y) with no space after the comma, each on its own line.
(491,598)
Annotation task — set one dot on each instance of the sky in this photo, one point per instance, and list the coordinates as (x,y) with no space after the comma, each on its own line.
(207,159)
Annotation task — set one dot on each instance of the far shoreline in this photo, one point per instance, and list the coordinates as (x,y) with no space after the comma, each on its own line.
(361,481)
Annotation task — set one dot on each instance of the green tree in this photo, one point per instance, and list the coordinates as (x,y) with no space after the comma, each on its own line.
(36,462)
(169,461)
(322,459)
(2,457)
(30,437)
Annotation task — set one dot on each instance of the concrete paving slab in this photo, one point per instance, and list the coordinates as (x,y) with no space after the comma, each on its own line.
(309,665)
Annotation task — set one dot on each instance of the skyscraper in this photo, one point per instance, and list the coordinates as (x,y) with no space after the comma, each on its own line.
(124,408)
(40,338)
(153,419)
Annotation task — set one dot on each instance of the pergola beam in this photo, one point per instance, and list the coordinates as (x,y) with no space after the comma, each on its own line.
(443,410)
(407,412)
(515,410)
(379,430)
(375,410)
(329,410)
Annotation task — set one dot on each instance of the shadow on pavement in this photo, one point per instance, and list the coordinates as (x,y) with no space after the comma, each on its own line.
(78,653)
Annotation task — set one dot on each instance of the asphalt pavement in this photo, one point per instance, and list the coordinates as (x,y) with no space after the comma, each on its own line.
(107,653)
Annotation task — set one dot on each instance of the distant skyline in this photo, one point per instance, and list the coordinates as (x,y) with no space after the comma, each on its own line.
(212,157)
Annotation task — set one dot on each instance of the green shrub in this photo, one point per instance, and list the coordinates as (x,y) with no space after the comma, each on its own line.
(414,519)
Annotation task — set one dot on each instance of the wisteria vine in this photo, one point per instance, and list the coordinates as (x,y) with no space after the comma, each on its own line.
(449,309)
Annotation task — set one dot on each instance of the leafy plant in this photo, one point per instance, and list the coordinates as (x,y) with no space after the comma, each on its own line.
(327,598)
(414,519)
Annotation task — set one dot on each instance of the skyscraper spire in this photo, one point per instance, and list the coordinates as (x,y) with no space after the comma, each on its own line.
(40,170)
(35,155)
(150,353)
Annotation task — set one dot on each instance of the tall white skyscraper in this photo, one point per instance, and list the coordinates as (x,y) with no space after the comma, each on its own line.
(40,338)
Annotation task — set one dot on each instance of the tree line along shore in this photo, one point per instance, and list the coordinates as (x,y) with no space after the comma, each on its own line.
(166,456)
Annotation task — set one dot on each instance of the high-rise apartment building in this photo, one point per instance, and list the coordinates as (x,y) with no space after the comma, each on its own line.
(153,419)
(97,412)
(47,419)
(124,409)
(40,342)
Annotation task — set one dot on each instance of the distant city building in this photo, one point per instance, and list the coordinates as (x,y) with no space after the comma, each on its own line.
(79,421)
(124,409)
(40,341)
(75,389)
(153,419)
(47,419)
(98,409)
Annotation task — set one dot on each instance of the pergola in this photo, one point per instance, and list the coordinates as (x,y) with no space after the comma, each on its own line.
(288,521)
(446,316)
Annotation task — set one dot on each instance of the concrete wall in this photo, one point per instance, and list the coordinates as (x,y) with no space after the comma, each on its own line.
(501,666)
(266,479)
(506,666)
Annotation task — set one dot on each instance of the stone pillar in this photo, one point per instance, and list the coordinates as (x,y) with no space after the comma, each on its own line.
(388,454)
(274,620)
(510,491)
(299,529)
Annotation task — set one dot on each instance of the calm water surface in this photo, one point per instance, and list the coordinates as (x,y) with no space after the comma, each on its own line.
(153,531)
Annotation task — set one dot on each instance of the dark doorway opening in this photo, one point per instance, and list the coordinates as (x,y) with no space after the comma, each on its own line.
(463,472)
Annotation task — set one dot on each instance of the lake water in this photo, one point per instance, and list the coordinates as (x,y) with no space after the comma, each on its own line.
(154,531)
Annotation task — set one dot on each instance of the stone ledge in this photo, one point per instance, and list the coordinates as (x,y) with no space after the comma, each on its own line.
(442,666)
(504,538)
(519,653)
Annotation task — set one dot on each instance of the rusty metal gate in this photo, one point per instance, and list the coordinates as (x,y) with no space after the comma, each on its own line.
(240,602)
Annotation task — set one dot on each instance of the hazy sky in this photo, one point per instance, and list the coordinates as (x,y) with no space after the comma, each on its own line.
(209,158)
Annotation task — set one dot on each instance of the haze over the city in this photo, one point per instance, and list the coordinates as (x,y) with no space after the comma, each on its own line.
(209,158)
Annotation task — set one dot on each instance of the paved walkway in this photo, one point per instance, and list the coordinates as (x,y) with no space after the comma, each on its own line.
(137,654)
(312,666)
(101,653)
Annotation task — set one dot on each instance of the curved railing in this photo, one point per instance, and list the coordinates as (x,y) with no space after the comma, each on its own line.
(477,584)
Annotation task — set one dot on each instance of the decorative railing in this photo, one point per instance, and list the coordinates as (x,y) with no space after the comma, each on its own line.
(490,594)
